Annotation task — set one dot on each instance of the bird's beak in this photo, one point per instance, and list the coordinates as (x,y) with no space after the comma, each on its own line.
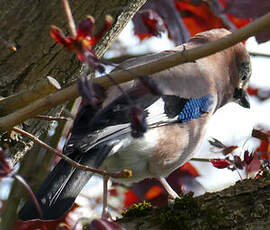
(240,97)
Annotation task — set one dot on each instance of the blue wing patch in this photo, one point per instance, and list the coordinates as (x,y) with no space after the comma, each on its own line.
(195,107)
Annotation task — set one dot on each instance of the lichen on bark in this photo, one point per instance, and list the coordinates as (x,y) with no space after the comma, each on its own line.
(246,205)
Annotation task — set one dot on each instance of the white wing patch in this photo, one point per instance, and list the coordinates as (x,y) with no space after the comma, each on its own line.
(157,113)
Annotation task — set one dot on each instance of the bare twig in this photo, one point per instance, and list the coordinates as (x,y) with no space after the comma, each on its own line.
(120,174)
(29,190)
(201,159)
(51,118)
(148,65)
(255,54)
(218,10)
(68,114)
(122,58)
(70,19)
(130,101)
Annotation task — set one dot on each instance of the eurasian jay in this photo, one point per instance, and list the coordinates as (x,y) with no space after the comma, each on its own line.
(176,124)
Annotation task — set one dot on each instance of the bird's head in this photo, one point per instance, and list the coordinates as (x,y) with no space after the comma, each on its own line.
(244,73)
(234,68)
(231,68)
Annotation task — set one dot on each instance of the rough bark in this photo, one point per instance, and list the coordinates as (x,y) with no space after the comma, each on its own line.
(27,24)
(245,205)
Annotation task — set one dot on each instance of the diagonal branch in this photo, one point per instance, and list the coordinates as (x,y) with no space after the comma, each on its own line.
(256,54)
(70,19)
(148,65)
(41,89)
(121,174)
(242,206)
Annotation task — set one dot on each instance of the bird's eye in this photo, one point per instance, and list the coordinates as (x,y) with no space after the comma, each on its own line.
(244,78)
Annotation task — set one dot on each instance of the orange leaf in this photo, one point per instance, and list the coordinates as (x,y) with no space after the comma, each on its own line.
(198,18)
(188,167)
(255,164)
(153,192)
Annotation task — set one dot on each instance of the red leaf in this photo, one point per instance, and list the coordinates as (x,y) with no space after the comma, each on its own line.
(220,163)
(261,94)
(172,21)
(5,166)
(248,157)
(238,22)
(238,162)
(59,37)
(85,28)
(153,22)
(263,147)
(107,25)
(252,91)
(137,122)
(113,192)
(250,9)
(130,198)
(247,8)
(82,43)
(198,18)
(255,164)
(259,174)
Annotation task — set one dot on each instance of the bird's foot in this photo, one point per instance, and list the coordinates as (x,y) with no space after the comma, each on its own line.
(172,195)
(171,198)
(106,215)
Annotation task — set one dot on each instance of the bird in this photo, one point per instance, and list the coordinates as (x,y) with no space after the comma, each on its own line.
(150,133)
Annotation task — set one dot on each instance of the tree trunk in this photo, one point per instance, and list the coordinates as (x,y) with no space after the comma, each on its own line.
(245,205)
(27,24)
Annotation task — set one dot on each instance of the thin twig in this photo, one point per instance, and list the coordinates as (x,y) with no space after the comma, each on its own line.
(29,190)
(70,19)
(255,54)
(201,159)
(233,162)
(68,114)
(120,174)
(51,118)
(218,10)
(149,65)
(129,100)
(122,58)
